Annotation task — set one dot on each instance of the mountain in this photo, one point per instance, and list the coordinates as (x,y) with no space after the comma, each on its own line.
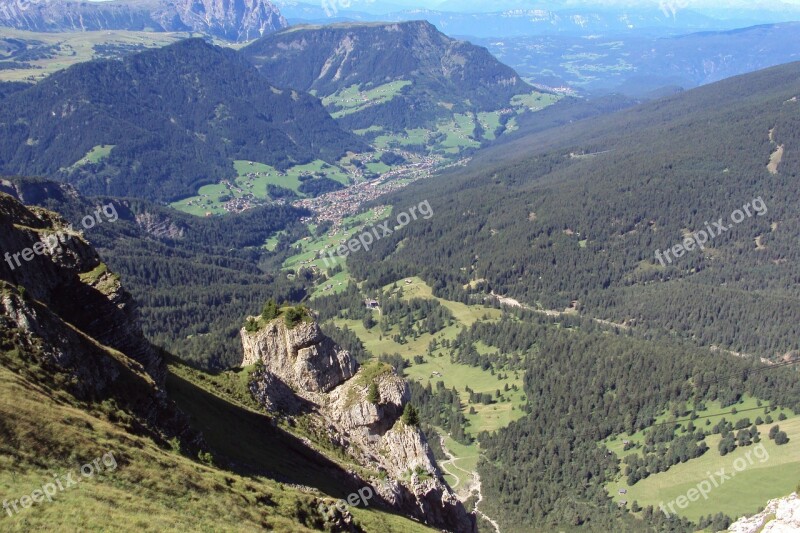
(66,319)
(300,369)
(161,123)
(86,400)
(651,258)
(202,276)
(638,62)
(417,74)
(239,20)
(593,201)
(524,19)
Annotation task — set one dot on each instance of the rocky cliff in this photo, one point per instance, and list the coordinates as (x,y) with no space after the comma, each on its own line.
(780,516)
(300,370)
(66,322)
(233,20)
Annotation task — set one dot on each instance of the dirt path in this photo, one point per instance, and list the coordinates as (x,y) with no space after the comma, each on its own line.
(511,302)
(474,487)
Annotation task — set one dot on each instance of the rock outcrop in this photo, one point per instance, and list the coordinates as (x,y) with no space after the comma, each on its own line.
(302,356)
(301,370)
(780,516)
(71,280)
(232,20)
(67,323)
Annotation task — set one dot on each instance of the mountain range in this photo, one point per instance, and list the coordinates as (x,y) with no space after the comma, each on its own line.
(518,19)
(637,64)
(161,123)
(239,20)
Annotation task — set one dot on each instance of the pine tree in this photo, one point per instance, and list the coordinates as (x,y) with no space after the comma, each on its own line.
(374,395)
(270,310)
(410,415)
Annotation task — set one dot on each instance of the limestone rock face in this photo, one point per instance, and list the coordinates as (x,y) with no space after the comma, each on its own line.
(232,20)
(72,281)
(66,321)
(304,371)
(302,357)
(780,516)
(349,407)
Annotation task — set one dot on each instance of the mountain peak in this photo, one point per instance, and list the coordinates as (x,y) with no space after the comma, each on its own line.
(239,20)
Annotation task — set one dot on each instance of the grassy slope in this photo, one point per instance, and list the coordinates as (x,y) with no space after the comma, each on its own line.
(208,196)
(45,432)
(745,493)
(77,47)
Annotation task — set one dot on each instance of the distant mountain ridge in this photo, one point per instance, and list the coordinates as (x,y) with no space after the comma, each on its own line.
(162,123)
(232,20)
(443,75)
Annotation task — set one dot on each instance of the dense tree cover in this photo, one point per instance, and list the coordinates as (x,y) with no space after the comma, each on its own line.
(195,279)
(577,214)
(398,317)
(319,186)
(440,407)
(276,192)
(177,117)
(585,386)
(11,87)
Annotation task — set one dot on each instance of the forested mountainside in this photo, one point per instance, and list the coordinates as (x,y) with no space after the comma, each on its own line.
(193,278)
(577,214)
(569,222)
(437,75)
(161,123)
(85,399)
(234,21)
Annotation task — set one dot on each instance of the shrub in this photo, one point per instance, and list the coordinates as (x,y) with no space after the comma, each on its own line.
(374,395)
(410,416)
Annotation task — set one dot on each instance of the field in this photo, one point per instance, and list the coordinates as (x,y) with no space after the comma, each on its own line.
(95,155)
(535,101)
(251,182)
(352,99)
(770,473)
(438,367)
(62,50)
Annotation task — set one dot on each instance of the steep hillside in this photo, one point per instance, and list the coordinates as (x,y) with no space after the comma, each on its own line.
(302,373)
(241,20)
(649,262)
(418,73)
(161,123)
(67,320)
(84,401)
(586,207)
(193,278)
